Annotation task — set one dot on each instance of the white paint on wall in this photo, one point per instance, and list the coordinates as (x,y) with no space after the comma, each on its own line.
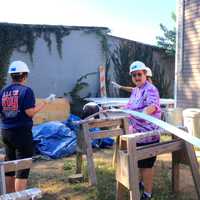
(81,54)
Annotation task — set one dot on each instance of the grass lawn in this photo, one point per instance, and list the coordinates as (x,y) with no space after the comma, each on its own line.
(51,177)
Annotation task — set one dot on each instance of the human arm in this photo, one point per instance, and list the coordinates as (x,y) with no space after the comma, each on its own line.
(149,110)
(125,88)
(152,101)
(32,111)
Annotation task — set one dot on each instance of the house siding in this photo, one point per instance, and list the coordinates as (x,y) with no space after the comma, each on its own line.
(188,64)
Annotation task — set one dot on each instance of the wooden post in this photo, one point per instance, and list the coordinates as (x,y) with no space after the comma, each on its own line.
(102,81)
(128,174)
(194,166)
(111,127)
(79,162)
(120,191)
(116,148)
(2,179)
(175,172)
(79,151)
(119,142)
(89,156)
(133,170)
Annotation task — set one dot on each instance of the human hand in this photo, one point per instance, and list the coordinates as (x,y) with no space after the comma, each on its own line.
(116,85)
(50,98)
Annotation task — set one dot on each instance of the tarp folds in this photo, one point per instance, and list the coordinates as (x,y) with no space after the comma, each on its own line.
(59,139)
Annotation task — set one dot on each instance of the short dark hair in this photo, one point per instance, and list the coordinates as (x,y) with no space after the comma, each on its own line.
(18,77)
(90,110)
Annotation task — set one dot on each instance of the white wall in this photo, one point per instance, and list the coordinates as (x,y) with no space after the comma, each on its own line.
(81,54)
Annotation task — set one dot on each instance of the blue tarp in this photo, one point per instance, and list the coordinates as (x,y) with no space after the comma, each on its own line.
(56,139)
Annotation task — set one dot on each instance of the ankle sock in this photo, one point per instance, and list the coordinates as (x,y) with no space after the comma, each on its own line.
(148,194)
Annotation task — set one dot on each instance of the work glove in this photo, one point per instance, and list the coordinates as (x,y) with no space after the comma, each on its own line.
(116,85)
(51,98)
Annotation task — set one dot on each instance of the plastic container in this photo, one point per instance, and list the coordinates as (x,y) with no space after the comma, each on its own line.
(192,121)
(174,116)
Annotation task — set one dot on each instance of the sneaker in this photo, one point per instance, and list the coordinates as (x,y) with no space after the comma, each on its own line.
(145,197)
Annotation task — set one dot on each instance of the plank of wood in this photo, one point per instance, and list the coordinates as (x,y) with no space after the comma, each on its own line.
(120,191)
(11,166)
(122,173)
(104,123)
(79,162)
(168,127)
(89,156)
(116,149)
(125,125)
(106,133)
(33,193)
(175,172)
(80,150)
(2,179)
(75,178)
(133,170)
(144,152)
(194,166)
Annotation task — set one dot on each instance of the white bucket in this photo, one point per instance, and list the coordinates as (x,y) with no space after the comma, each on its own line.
(192,121)
(174,116)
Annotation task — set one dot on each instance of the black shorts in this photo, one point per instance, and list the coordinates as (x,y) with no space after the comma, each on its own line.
(18,145)
(149,162)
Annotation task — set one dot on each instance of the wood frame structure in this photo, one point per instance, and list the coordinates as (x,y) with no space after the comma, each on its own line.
(9,166)
(109,127)
(128,155)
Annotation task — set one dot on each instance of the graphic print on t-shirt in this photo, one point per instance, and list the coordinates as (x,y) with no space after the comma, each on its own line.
(10,103)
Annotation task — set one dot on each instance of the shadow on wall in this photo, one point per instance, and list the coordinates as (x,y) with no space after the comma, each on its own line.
(162,65)
(76,99)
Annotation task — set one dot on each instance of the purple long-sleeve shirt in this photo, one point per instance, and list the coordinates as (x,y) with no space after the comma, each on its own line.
(142,97)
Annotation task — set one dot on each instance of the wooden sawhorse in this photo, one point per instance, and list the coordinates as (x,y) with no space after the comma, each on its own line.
(128,155)
(110,127)
(9,166)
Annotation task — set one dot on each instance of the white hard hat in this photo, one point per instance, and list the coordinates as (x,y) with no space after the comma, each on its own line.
(149,72)
(18,67)
(137,65)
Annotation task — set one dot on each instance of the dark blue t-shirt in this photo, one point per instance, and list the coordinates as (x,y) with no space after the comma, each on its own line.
(14,100)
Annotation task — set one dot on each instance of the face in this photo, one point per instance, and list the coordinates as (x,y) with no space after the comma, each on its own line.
(139,77)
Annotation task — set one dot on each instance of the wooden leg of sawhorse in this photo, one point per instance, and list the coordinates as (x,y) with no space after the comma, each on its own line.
(89,156)
(194,166)
(175,171)
(79,162)
(116,148)
(185,156)
(133,170)
(120,143)
(121,191)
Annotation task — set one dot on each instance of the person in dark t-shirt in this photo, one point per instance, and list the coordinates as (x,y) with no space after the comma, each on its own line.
(17,108)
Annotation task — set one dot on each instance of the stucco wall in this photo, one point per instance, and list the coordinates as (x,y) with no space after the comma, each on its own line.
(81,54)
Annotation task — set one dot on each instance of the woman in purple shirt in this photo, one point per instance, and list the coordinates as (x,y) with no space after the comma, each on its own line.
(144,98)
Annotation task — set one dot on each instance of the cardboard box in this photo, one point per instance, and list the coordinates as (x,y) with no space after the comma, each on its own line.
(58,110)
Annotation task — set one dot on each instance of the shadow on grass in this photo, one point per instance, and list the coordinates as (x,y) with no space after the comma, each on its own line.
(56,187)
